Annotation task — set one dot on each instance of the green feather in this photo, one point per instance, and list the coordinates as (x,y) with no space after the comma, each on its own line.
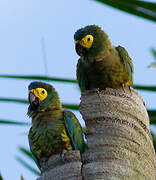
(74,131)
(127,61)
(81,77)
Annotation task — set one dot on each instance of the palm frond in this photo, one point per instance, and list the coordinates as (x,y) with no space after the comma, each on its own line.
(153,52)
(22,178)
(26,152)
(28,166)
(24,101)
(153,65)
(1,177)
(152,115)
(38,77)
(14,100)
(10,122)
(145,88)
(154,139)
(139,8)
(71,106)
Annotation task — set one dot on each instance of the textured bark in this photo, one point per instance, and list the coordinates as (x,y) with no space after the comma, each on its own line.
(119,140)
(118,135)
(68,168)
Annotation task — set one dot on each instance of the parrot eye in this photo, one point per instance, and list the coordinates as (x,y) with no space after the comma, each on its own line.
(40,93)
(87,41)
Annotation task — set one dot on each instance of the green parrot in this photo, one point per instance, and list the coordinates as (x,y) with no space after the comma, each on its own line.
(53,129)
(101,65)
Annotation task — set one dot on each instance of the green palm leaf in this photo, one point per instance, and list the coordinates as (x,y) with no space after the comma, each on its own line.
(1,177)
(24,101)
(38,77)
(154,140)
(26,152)
(152,115)
(145,88)
(14,100)
(71,106)
(8,122)
(28,166)
(153,65)
(139,8)
(140,87)
(153,52)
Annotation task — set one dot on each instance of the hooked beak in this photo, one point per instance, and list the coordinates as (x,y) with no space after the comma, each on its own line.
(33,100)
(80,50)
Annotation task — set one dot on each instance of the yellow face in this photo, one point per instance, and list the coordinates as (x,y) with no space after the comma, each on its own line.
(40,93)
(86,41)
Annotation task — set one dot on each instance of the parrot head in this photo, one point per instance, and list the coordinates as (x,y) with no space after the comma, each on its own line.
(90,40)
(42,96)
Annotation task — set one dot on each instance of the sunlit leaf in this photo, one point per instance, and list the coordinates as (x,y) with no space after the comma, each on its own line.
(38,77)
(28,166)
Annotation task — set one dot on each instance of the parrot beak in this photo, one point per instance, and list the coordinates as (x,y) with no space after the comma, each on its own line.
(33,100)
(80,50)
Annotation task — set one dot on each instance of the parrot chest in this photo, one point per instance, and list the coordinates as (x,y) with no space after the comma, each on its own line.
(105,74)
(47,139)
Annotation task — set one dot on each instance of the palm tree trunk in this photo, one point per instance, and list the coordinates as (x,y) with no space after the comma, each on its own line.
(118,135)
(68,168)
(119,140)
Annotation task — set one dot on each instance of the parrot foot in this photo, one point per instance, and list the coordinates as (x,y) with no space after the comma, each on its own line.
(43,161)
(123,87)
(62,153)
(130,90)
(144,103)
(96,90)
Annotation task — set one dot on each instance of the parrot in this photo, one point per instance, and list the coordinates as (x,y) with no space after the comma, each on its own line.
(53,129)
(101,65)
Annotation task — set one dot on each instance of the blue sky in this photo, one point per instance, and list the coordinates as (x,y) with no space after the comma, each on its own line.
(23,25)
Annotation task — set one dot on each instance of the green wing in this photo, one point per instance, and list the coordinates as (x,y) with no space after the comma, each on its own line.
(36,159)
(75,132)
(81,76)
(127,61)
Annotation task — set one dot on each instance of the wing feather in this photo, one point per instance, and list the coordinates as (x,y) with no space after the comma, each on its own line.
(127,61)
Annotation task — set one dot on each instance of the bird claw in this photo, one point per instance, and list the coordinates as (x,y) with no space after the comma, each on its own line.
(123,87)
(129,87)
(62,153)
(96,90)
(43,161)
(130,90)
(144,103)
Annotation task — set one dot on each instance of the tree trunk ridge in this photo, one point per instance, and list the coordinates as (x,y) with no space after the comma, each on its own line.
(118,136)
(119,140)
